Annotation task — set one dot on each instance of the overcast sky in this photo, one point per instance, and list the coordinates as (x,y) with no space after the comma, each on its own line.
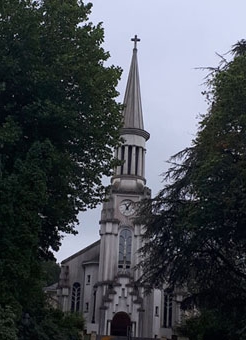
(177,37)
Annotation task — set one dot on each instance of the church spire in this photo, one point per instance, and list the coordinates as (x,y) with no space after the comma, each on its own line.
(133,116)
(130,175)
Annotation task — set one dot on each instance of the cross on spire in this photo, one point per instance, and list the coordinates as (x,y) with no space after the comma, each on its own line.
(136,40)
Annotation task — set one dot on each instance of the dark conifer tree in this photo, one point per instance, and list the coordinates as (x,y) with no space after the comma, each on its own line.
(196,226)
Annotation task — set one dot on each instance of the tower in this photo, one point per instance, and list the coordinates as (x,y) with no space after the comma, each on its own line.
(120,305)
(101,280)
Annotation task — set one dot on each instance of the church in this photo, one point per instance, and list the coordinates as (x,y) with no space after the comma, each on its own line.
(100,281)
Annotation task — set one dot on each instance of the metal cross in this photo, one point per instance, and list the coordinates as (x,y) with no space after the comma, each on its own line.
(136,40)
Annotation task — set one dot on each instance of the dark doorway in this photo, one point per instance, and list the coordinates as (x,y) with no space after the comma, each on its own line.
(120,324)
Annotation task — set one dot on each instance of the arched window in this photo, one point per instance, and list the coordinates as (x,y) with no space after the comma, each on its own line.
(75,303)
(125,249)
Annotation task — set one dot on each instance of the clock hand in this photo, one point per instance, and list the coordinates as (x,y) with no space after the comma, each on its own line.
(128,206)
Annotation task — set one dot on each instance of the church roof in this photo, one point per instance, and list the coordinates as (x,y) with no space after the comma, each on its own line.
(133,116)
(84,251)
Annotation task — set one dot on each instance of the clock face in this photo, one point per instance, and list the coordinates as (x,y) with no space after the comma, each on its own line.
(127,207)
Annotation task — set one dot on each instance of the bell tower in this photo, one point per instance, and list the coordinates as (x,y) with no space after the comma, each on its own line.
(119,295)
(131,174)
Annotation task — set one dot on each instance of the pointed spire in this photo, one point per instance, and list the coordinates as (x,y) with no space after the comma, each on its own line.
(133,116)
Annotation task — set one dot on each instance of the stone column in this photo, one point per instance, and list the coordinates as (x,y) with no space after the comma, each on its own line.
(143,170)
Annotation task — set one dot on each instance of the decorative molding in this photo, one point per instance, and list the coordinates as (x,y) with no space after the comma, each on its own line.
(134,131)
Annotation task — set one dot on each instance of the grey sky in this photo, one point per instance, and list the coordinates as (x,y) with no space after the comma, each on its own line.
(177,36)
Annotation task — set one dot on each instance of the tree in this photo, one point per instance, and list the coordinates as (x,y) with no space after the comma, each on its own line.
(52,324)
(207,325)
(195,227)
(59,123)
(8,329)
(51,272)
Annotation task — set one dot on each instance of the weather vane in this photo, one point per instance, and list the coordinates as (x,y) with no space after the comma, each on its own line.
(136,40)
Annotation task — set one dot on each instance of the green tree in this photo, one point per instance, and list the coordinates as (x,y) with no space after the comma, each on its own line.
(51,272)
(207,325)
(51,324)
(59,123)
(195,227)
(8,329)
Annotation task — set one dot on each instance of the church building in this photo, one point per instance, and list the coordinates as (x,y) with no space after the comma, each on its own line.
(100,281)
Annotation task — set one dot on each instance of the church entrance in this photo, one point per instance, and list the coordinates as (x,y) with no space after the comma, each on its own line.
(121,324)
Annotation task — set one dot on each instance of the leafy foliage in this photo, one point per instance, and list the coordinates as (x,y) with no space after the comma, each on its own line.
(51,272)
(203,326)
(57,105)
(8,329)
(52,324)
(195,227)
(59,123)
